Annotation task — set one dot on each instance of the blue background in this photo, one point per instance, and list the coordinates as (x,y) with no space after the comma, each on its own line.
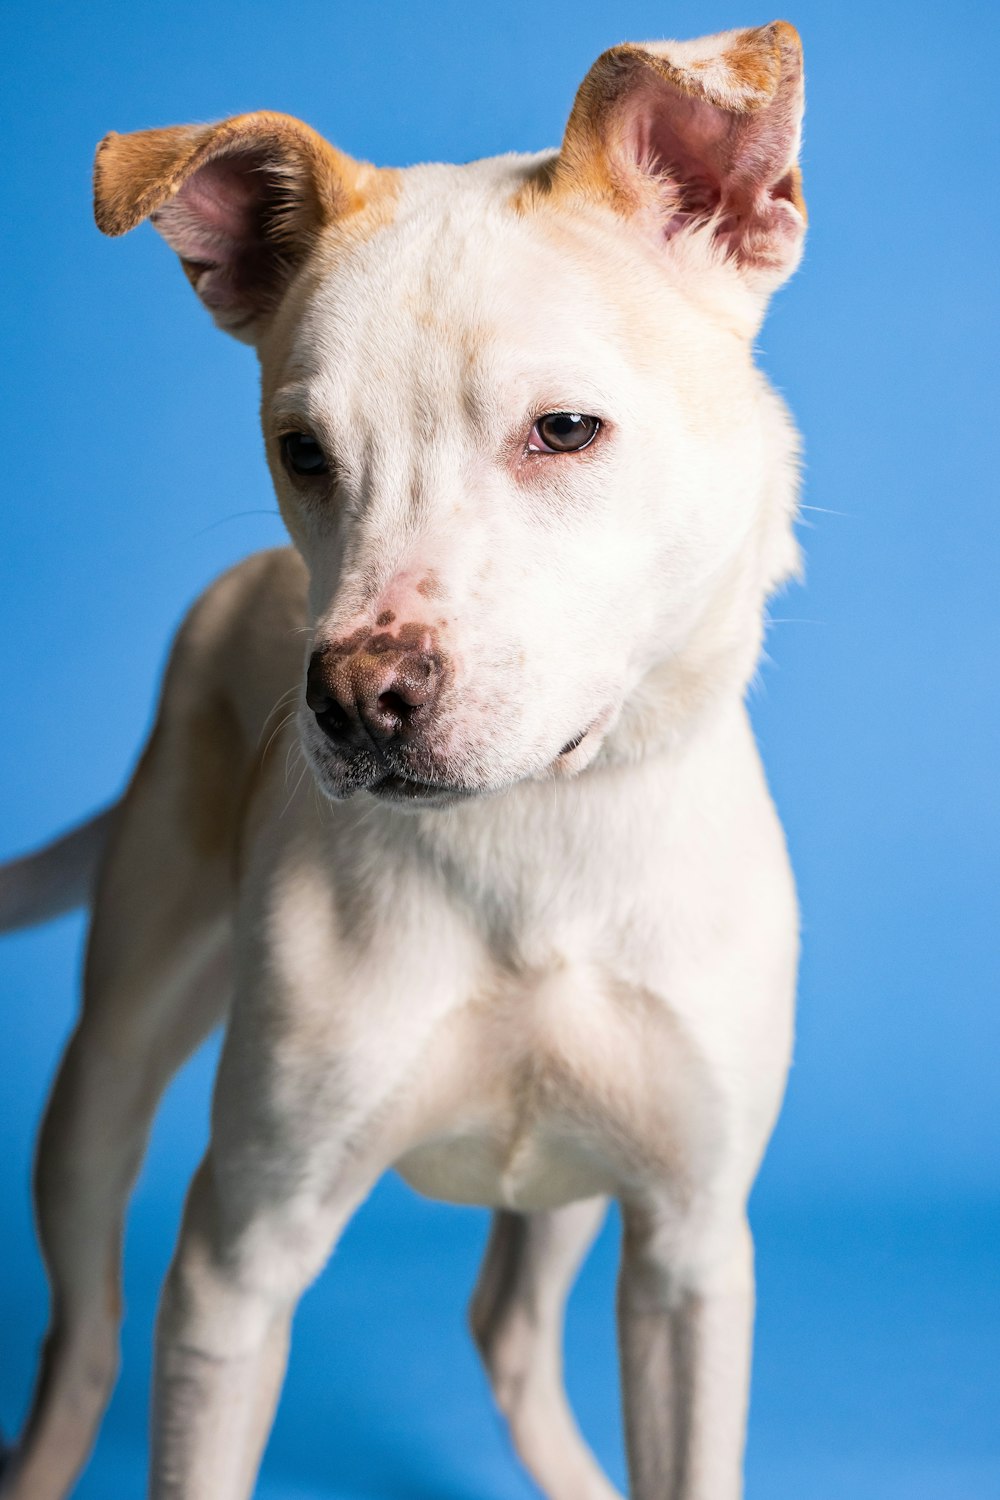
(134,472)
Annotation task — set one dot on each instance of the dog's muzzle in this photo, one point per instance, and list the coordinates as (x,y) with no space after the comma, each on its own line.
(375,697)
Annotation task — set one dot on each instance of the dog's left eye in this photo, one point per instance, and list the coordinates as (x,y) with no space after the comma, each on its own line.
(303,455)
(563,432)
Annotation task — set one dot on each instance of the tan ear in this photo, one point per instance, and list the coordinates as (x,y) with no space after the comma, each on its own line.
(241,202)
(698,135)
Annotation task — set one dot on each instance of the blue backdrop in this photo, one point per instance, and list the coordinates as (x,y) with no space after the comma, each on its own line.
(134,472)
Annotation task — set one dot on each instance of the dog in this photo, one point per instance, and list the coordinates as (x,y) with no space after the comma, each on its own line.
(535,944)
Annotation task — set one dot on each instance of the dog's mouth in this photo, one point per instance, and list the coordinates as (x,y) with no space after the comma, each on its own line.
(395,787)
(383,772)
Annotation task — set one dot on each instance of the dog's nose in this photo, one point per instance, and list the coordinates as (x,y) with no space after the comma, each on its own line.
(372,693)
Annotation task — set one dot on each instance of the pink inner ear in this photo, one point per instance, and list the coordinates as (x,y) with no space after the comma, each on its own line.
(218,222)
(222,204)
(714,163)
(683,146)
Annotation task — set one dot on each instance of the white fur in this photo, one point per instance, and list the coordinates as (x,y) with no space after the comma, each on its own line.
(576,984)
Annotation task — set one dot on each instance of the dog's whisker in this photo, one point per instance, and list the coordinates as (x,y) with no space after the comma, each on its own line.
(281,702)
(238,515)
(295,789)
(276,708)
(282,698)
(288,718)
(295,748)
(278,730)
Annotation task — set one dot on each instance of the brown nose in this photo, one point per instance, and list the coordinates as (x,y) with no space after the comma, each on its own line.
(372,693)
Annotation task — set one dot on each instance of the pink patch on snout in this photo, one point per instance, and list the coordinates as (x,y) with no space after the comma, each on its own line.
(407,596)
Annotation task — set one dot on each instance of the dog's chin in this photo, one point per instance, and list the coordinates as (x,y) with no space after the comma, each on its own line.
(392,789)
(339,779)
(408,792)
(395,784)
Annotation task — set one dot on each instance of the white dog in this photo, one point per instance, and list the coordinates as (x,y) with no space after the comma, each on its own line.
(536,945)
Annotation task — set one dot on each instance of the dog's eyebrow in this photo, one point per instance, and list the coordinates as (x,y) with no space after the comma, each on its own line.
(293,403)
(537,387)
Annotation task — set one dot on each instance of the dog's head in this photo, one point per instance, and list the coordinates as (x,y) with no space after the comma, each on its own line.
(510,408)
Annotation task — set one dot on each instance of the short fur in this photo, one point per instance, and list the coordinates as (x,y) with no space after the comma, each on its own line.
(536,946)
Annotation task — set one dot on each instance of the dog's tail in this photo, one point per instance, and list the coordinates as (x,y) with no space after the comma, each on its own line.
(56,878)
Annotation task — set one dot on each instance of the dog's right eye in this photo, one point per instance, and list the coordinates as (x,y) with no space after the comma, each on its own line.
(303,455)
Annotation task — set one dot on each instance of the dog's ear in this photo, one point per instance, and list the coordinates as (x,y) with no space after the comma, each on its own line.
(700,135)
(241,202)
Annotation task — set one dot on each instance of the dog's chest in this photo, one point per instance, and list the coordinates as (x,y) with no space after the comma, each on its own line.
(558,1087)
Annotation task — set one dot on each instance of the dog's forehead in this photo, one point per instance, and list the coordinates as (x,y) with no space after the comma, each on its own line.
(461,289)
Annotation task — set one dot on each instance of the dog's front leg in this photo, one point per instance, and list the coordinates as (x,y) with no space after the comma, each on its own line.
(292,1152)
(685,1307)
(222,1338)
